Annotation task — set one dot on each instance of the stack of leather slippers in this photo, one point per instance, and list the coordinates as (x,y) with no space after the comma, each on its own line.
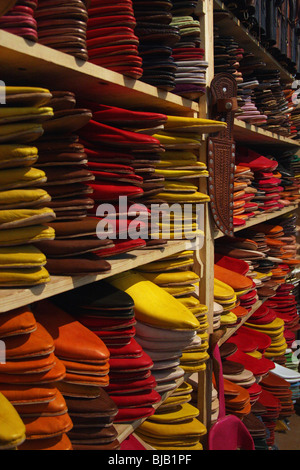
(244,208)
(265,321)
(86,362)
(181,142)
(30,381)
(267,181)
(176,429)
(62,27)
(290,376)
(280,388)
(109,314)
(182,325)
(157,37)
(236,397)
(248,111)
(63,158)
(190,76)
(240,283)
(122,154)
(225,300)
(174,276)
(285,306)
(12,431)
(282,245)
(257,430)
(20,20)
(271,101)
(255,254)
(239,267)
(111,39)
(250,342)
(272,409)
(64,162)
(24,211)
(290,181)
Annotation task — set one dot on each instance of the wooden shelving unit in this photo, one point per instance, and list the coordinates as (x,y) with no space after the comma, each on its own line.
(264,217)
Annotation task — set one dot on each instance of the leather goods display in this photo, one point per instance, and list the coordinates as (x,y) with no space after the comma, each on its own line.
(221,152)
(112,41)
(63,28)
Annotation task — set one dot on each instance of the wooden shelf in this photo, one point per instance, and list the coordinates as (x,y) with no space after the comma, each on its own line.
(265,217)
(124,430)
(230,25)
(16,297)
(231,331)
(250,134)
(23,62)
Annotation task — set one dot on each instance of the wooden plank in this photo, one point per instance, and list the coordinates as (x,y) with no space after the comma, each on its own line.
(23,62)
(260,219)
(14,298)
(231,331)
(249,134)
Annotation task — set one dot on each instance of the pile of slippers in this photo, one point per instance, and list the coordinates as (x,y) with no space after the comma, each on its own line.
(64,162)
(108,313)
(267,179)
(122,152)
(111,39)
(244,208)
(177,429)
(174,275)
(85,359)
(63,27)
(157,37)
(30,380)
(190,76)
(20,19)
(24,210)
